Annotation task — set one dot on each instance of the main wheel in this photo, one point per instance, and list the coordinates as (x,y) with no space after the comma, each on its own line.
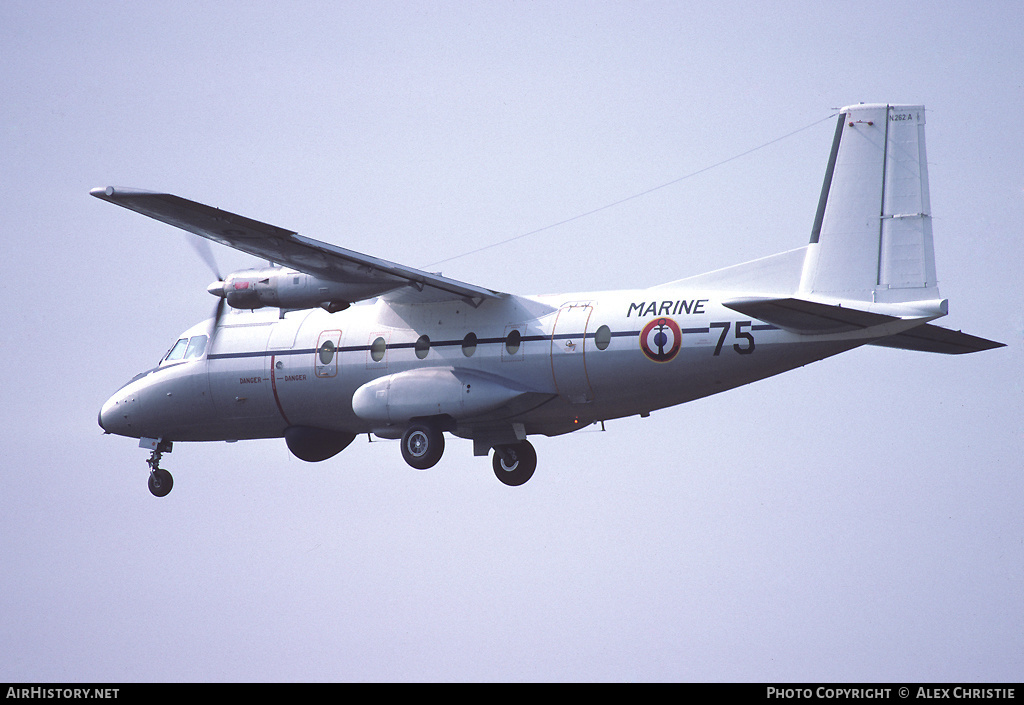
(514,464)
(422,445)
(160,482)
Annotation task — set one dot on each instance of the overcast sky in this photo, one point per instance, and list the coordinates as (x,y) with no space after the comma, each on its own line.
(856,520)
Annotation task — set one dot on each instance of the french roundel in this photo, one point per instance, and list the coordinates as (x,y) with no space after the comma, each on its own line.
(660,339)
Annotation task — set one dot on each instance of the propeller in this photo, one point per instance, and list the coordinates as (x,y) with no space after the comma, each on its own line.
(202,248)
(217,288)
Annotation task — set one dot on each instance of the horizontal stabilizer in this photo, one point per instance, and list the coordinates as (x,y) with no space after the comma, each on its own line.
(936,339)
(808,317)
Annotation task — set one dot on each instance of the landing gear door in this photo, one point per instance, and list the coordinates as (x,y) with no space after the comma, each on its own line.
(568,352)
(328,347)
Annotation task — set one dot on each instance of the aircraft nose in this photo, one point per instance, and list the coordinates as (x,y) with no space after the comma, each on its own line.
(116,414)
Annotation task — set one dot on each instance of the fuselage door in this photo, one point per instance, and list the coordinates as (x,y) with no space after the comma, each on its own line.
(328,347)
(284,368)
(568,352)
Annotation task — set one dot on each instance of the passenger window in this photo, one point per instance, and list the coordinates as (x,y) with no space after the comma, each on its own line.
(377,349)
(326,352)
(603,337)
(469,344)
(196,347)
(422,346)
(178,351)
(512,341)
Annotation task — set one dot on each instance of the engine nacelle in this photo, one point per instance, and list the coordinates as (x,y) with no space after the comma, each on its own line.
(279,287)
(435,391)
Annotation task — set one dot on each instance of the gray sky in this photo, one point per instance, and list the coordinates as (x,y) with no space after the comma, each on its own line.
(858,519)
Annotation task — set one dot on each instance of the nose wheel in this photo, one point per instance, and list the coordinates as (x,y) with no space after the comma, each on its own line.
(160,481)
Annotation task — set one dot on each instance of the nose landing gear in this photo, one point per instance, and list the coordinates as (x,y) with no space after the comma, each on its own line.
(160,481)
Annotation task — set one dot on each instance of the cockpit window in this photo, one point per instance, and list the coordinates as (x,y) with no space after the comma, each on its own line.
(187,348)
(196,346)
(178,351)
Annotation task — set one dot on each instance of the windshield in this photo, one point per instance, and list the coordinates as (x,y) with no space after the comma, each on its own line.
(196,347)
(187,348)
(178,351)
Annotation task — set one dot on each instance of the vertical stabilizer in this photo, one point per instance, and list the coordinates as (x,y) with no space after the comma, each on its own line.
(872,233)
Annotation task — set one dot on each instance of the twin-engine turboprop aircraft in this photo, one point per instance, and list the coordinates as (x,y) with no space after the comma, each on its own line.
(337,343)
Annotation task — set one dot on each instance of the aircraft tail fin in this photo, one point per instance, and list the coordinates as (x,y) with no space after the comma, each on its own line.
(869,270)
(872,233)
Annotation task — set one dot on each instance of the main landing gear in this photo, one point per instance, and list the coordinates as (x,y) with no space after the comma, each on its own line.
(514,464)
(160,481)
(423,445)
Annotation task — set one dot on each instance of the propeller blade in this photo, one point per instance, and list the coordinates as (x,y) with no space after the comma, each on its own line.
(203,249)
(217,313)
(217,288)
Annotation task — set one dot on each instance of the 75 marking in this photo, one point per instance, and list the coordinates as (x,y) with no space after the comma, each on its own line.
(741,333)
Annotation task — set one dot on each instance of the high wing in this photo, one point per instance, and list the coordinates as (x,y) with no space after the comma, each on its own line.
(361,276)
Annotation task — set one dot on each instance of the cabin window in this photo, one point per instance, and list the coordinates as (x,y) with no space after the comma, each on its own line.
(178,351)
(603,337)
(377,349)
(196,346)
(469,344)
(327,352)
(512,341)
(422,346)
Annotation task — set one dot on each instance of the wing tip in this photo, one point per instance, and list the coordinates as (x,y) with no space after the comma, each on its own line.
(110,192)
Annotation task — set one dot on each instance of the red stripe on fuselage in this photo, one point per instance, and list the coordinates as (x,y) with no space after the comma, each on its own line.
(273,386)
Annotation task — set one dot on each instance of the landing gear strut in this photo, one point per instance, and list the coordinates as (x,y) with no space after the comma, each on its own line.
(160,481)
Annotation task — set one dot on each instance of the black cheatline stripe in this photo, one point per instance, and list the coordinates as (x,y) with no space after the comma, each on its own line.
(228,356)
(451,343)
